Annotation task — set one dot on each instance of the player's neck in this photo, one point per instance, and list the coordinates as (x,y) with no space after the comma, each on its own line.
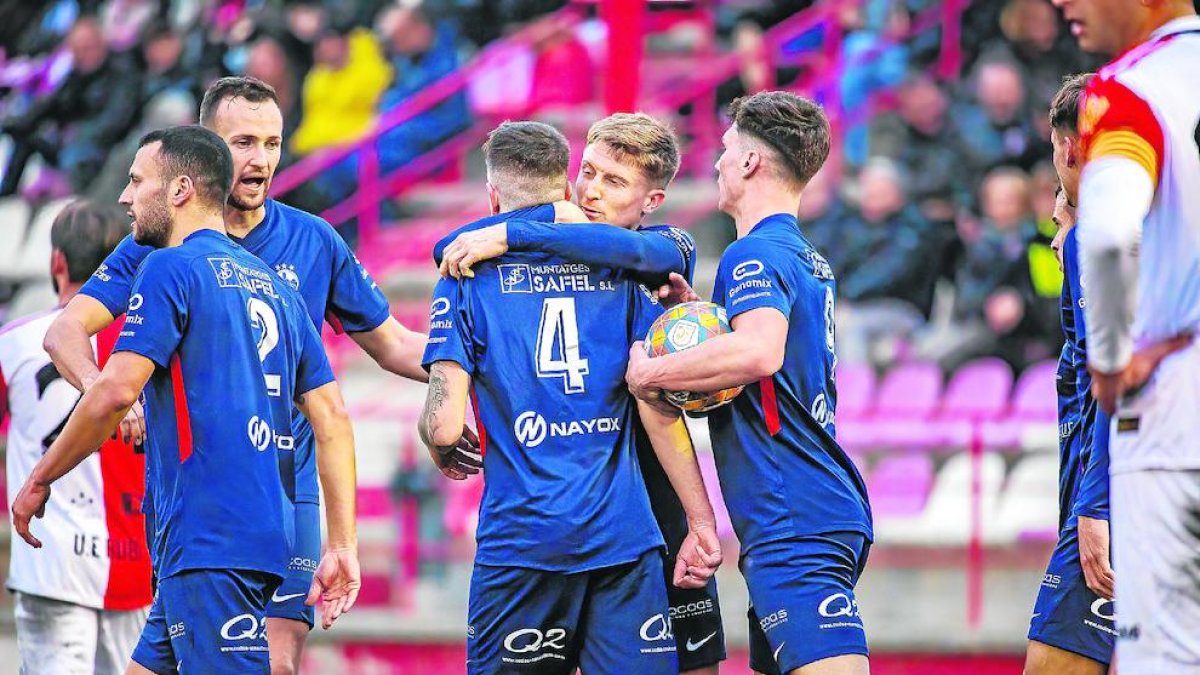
(752,209)
(1160,16)
(68,291)
(239,223)
(187,225)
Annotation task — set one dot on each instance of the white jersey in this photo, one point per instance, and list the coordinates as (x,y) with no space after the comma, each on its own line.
(1145,106)
(94,551)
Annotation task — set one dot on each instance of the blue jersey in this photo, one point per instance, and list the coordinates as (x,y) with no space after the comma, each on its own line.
(540,213)
(546,342)
(781,470)
(308,254)
(232,346)
(1083,427)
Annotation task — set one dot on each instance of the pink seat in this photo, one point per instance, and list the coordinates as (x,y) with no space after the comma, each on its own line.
(462,505)
(374,501)
(907,400)
(1034,402)
(978,391)
(900,484)
(1036,395)
(855,391)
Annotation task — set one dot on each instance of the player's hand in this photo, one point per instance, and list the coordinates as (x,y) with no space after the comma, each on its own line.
(676,291)
(568,212)
(133,427)
(1093,556)
(635,378)
(699,557)
(469,248)
(29,503)
(1108,387)
(336,583)
(461,460)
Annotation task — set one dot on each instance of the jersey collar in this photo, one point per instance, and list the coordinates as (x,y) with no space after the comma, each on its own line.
(1181,25)
(777,220)
(260,232)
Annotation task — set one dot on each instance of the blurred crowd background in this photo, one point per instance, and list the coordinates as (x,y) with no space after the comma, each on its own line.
(934,211)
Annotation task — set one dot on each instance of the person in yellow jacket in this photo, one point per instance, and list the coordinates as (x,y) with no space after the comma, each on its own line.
(341,92)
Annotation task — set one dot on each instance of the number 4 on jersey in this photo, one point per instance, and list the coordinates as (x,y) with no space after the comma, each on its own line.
(558,345)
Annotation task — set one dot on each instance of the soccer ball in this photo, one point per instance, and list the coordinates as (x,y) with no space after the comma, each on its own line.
(683,327)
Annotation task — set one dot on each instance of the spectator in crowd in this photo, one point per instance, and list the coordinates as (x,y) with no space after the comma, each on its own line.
(165,69)
(124,22)
(422,52)
(992,282)
(267,60)
(876,58)
(996,124)
(1032,36)
(171,108)
(73,127)
(928,143)
(821,216)
(887,275)
(1045,272)
(342,91)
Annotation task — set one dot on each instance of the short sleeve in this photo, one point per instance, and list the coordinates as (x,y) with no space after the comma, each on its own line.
(356,305)
(449,326)
(1116,122)
(753,278)
(313,369)
(112,282)
(157,314)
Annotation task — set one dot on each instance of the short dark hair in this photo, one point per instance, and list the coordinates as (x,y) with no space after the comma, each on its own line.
(196,152)
(528,150)
(252,89)
(793,126)
(86,232)
(1064,109)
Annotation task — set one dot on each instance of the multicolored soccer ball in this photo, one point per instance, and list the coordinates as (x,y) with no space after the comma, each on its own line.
(683,327)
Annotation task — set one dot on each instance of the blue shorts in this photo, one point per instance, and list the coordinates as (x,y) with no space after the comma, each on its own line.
(208,621)
(1067,614)
(802,604)
(287,602)
(609,620)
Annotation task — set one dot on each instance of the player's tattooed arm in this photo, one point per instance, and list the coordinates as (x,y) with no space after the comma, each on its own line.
(452,446)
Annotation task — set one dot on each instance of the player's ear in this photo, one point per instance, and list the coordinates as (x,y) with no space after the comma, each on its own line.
(58,266)
(182,187)
(751,162)
(493,198)
(568,193)
(654,199)
(1072,143)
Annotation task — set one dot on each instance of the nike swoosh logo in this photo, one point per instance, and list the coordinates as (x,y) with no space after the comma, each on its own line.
(693,646)
(777,652)
(275,597)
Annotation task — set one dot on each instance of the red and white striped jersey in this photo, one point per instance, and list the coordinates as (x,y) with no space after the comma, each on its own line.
(94,538)
(1145,106)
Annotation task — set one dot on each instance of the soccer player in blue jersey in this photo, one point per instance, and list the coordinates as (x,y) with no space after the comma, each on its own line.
(568,568)
(1072,630)
(221,348)
(306,253)
(798,504)
(627,164)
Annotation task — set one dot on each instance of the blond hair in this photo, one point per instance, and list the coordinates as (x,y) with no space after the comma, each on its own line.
(644,140)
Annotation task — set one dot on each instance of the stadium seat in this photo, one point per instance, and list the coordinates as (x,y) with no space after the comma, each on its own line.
(34,296)
(908,398)
(34,259)
(946,519)
(1029,505)
(855,398)
(1032,419)
(977,392)
(14,219)
(899,485)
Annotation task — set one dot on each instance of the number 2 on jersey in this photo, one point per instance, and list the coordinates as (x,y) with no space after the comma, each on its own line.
(558,345)
(263,319)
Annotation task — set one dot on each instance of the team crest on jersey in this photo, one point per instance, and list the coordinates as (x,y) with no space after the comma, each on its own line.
(515,278)
(226,275)
(1094,108)
(287,272)
(820,266)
